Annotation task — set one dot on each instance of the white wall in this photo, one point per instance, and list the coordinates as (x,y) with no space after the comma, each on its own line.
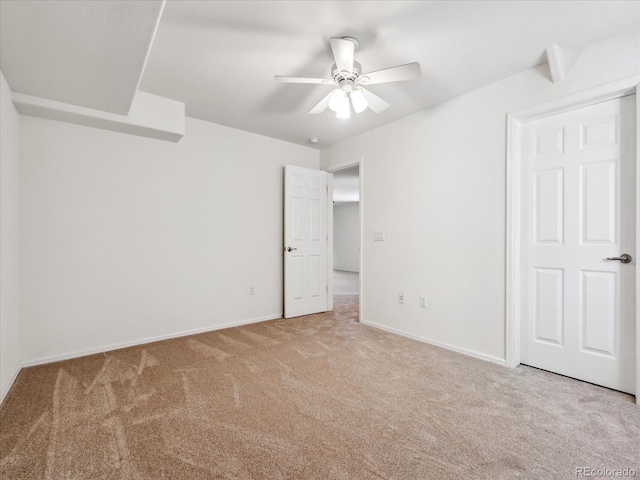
(127,238)
(435,183)
(346,236)
(9,240)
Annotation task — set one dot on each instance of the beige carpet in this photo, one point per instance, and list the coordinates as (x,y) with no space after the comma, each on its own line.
(319,397)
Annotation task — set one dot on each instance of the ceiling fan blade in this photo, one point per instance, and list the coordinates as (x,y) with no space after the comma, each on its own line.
(393,74)
(343,51)
(322,105)
(280,78)
(376,104)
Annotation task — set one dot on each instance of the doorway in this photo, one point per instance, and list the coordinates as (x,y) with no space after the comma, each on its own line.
(571,220)
(346,254)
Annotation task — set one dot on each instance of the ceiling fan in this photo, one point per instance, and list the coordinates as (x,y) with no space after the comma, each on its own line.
(349,81)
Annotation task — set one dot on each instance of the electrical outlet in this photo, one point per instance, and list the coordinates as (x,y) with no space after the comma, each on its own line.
(378,236)
(401,297)
(251,291)
(423,301)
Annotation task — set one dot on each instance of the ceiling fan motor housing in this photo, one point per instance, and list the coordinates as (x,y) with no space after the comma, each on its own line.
(338,76)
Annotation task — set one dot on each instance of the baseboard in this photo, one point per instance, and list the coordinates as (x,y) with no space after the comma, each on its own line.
(117,346)
(464,351)
(9,384)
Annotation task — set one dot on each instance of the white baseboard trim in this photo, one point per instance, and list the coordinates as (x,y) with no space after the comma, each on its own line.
(464,351)
(346,270)
(9,384)
(142,341)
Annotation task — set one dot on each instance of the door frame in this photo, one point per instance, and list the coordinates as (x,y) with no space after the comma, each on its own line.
(359,161)
(515,123)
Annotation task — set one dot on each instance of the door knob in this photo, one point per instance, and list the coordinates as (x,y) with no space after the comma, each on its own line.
(624,258)
(290,249)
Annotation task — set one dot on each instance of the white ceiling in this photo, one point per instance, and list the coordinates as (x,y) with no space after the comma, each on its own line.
(86,53)
(346,185)
(220,57)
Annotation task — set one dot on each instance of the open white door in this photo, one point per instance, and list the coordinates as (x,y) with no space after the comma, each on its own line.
(305,241)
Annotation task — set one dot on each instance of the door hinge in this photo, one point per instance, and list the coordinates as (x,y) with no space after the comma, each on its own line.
(326,288)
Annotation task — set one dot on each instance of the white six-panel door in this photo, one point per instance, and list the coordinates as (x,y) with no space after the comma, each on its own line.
(578,210)
(305,241)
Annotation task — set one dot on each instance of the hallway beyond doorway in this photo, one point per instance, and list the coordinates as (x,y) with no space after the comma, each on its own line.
(346,283)
(346,286)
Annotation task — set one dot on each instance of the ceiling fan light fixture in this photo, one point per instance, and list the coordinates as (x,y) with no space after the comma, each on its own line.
(360,103)
(345,109)
(337,100)
(347,75)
